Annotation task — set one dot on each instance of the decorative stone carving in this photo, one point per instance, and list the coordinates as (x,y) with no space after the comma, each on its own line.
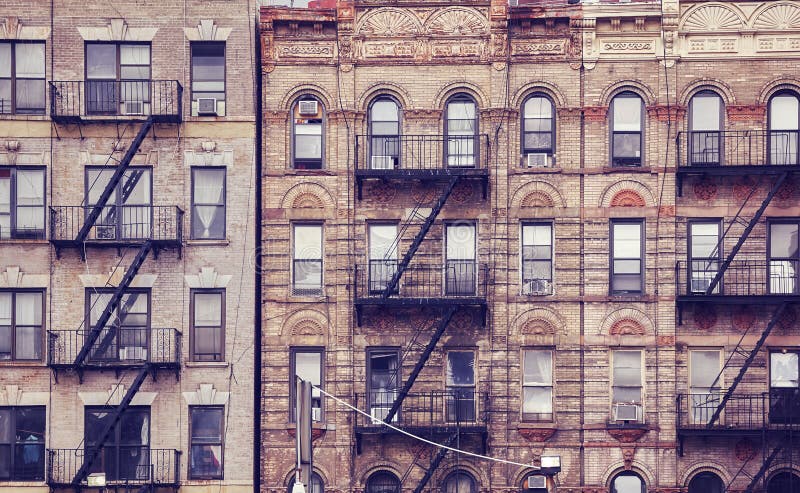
(307,195)
(423,193)
(743,318)
(117,30)
(744,449)
(664,113)
(787,190)
(307,327)
(463,320)
(305,49)
(535,48)
(628,455)
(207,30)
(381,49)
(537,434)
(13,277)
(665,341)
(316,433)
(627,198)
(628,435)
(208,278)
(463,192)
(635,46)
(595,113)
(713,17)
(382,192)
(14,395)
(787,318)
(206,395)
(743,187)
(457,21)
(114,277)
(705,189)
(537,199)
(782,16)
(388,23)
(705,317)
(627,326)
(113,396)
(537,326)
(746,112)
(384,323)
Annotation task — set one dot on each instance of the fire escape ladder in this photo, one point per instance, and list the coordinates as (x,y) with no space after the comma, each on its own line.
(775,318)
(115,178)
(116,297)
(435,462)
(764,467)
(752,224)
(93,452)
(426,226)
(443,323)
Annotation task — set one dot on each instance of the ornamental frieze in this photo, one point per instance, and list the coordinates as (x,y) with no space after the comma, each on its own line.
(384,49)
(471,49)
(305,50)
(636,46)
(523,48)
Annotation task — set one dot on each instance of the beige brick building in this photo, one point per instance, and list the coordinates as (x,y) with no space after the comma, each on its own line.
(127,226)
(515,231)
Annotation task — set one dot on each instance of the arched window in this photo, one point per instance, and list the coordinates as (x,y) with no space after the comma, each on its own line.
(383,482)
(627,482)
(538,131)
(317,486)
(784,482)
(384,131)
(627,137)
(706,482)
(784,123)
(705,123)
(308,130)
(459,482)
(461,132)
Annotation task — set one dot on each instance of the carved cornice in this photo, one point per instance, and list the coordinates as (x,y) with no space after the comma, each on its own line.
(627,435)
(537,434)
(595,113)
(664,113)
(746,112)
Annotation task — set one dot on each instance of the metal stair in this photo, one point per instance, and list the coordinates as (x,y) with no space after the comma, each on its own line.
(437,460)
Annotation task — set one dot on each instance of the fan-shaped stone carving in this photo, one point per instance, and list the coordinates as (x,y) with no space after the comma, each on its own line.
(537,199)
(782,16)
(457,22)
(389,22)
(712,18)
(627,198)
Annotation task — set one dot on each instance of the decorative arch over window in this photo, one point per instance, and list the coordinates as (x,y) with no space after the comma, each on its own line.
(308,133)
(460,482)
(706,482)
(628,482)
(382,482)
(461,132)
(784,123)
(317,484)
(706,118)
(627,129)
(384,133)
(538,130)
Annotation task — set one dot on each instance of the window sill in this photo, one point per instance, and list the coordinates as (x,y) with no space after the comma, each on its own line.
(322,426)
(536,171)
(627,169)
(206,364)
(309,172)
(7,484)
(24,117)
(210,242)
(20,241)
(22,364)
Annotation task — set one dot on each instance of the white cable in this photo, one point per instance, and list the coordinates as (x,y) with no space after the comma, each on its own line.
(458,451)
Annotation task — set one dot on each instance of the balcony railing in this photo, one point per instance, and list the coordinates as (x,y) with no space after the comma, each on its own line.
(161,467)
(451,153)
(121,346)
(775,409)
(455,279)
(709,149)
(116,99)
(126,224)
(741,278)
(464,408)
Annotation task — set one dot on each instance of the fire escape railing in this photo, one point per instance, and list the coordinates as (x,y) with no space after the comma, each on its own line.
(128,99)
(161,468)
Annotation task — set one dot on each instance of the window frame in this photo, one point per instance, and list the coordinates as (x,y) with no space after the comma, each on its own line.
(457,286)
(642,252)
(306,163)
(222,426)
(526,417)
(116,444)
(193,355)
(13,207)
(293,351)
(13,78)
(192,79)
(453,475)
(371,131)
(293,267)
(534,260)
(117,80)
(770,130)
(612,487)
(89,291)
(627,161)
(690,259)
(524,150)
(458,396)
(642,378)
(120,223)
(42,329)
(14,443)
(369,371)
(456,98)
(719,137)
(368,486)
(771,382)
(795,280)
(224,203)
(383,269)
(702,475)
(697,414)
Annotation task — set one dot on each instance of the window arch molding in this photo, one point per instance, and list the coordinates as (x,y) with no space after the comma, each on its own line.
(308,131)
(783,127)
(538,124)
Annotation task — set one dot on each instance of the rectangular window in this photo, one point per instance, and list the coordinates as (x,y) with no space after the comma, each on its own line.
(208,325)
(783,257)
(208,203)
(784,382)
(626,133)
(126,452)
(206,442)
(627,247)
(208,79)
(705,383)
(460,266)
(22,443)
(307,363)
(128,212)
(118,78)
(537,385)
(307,260)
(21,331)
(460,386)
(382,256)
(537,259)
(126,335)
(704,254)
(383,380)
(22,77)
(22,193)
(627,377)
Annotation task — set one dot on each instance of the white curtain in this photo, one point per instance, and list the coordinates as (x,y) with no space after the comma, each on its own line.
(30,60)
(208,190)
(30,200)
(28,322)
(5,325)
(5,205)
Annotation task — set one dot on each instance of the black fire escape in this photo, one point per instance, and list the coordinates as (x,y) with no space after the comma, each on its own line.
(762,160)
(400,282)
(105,344)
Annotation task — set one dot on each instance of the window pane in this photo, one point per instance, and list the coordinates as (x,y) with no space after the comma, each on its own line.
(381,240)
(538,107)
(626,394)
(537,234)
(461,110)
(627,145)
(29,461)
(5,342)
(461,368)
(706,112)
(134,427)
(30,94)
(5,59)
(627,484)
(101,61)
(30,187)
(783,112)
(208,61)
(704,237)
(28,343)
(385,111)
(6,433)
(29,60)
(5,308)
(5,461)
(537,400)
(308,146)
(206,461)
(208,343)
(783,240)
(704,368)
(206,425)
(136,90)
(627,114)
(96,181)
(5,95)
(134,54)
(308,366)
(627,240)
(29,309)
(208,309)
(784,370)
(307,242)
(460,242)
(537,367)
(627,368)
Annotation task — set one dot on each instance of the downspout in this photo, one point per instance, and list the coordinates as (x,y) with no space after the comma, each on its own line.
(257,263)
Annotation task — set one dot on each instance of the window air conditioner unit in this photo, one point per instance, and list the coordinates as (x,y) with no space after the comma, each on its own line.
(537,482)
(207,106)
(538,160)
(537,287)
(379,414)
(627,412)
(133,353)
(105,232)
(383,162)
(316,414)
(309,107)
(133,108)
